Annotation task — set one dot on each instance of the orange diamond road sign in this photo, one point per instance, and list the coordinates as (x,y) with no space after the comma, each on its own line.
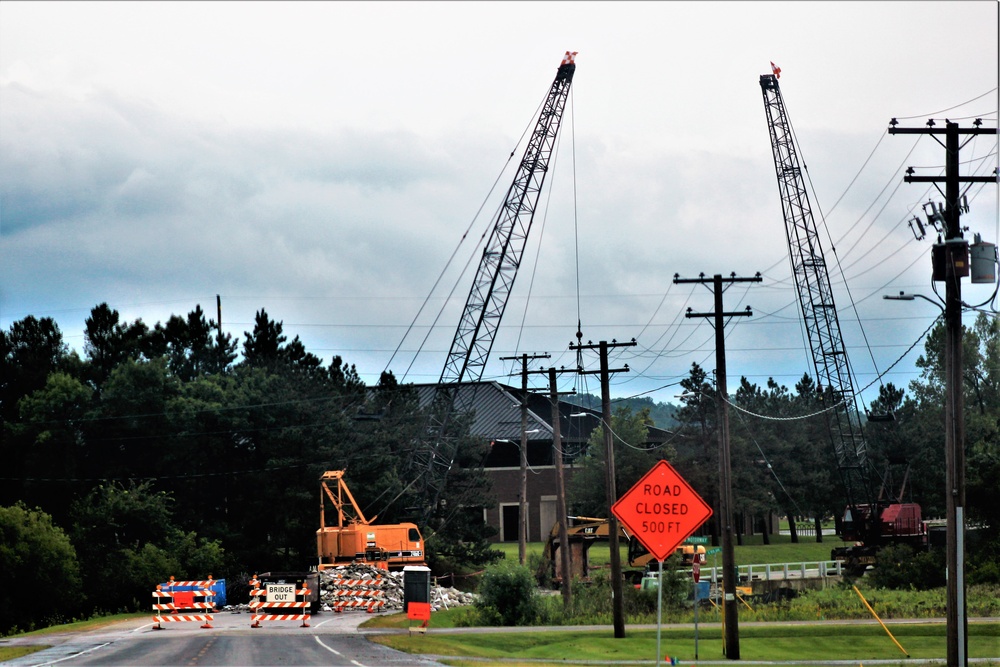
(661,510)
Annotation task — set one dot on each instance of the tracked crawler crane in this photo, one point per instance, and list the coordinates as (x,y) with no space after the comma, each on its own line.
(867,520)
(434,457)
(355,539)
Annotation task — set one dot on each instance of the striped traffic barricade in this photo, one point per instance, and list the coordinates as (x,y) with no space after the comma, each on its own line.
(279,602)
(183,602)
(367,594)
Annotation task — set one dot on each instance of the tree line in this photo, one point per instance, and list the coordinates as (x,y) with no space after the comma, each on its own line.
(782,456)
(159,452)
(162,451)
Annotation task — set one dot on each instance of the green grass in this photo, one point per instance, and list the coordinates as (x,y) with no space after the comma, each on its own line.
(83,626)
(753,551)
(509,549)
(833,603)
(439,619)
(12,652)
(775,642)
(781,550)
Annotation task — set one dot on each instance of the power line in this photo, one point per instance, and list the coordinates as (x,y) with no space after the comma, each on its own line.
(156,478)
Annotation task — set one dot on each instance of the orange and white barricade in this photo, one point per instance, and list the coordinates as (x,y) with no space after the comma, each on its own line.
(279,597)
(169,602)
(367,594)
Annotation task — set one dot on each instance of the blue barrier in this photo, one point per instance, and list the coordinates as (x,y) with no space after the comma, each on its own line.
(218,586)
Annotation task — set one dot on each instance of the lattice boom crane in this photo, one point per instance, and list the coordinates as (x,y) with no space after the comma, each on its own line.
(866,519)
(491,287)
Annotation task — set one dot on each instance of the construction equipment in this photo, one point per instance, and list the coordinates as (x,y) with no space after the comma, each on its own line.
(591,530)
(869,520)
(356,539)
(433,457)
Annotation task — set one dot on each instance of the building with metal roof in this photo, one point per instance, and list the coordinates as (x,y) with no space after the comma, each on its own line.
(497,419)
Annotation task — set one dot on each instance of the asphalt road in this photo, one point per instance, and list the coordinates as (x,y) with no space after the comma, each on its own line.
(332,639)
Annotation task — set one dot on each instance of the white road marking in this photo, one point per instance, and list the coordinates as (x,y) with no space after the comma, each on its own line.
(336,652)
(74,655)
(331,650)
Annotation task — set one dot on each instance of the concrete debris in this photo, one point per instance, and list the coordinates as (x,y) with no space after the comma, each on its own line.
(357,581)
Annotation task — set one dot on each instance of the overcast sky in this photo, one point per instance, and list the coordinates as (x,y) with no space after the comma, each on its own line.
(323,160)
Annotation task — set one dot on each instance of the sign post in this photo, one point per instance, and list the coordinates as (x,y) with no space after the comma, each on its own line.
(659,612)
(661,510)
(696,575)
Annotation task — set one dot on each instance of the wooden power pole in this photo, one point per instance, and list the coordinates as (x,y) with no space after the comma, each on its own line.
(950,260)
(729,606)
(618,602)
(522,514)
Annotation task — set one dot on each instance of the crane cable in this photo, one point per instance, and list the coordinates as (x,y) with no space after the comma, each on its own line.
(451,258)
(580,383)
(770,468)
(538,248)
(851,184)
(510,157)
(833,250)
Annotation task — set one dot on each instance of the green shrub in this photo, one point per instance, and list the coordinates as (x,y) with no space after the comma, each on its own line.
(507,595)
(901,567)
(592,599)
(677,586)
(127,543)
(540,565)
(984,561)
(39,574)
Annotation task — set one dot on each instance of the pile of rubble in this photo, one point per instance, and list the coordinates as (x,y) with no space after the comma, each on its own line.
(363,577)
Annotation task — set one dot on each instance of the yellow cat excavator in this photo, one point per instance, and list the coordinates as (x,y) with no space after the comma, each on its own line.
(589,530)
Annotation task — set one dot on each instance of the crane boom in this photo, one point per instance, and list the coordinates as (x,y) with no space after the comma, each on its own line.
(871,520)
(501,258)
(491,288)
(819,312)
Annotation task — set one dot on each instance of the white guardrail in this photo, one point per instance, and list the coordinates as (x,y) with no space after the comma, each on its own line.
(810,569)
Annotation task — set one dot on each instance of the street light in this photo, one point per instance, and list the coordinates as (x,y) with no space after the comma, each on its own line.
(955,611)
(903,296)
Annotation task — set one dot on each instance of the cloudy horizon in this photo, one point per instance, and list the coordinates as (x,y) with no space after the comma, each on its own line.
(323,161)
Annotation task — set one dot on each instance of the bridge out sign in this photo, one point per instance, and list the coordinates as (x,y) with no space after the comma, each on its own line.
(661,510)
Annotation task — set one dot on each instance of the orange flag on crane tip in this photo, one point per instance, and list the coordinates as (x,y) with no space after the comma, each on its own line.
(569,58)
(776,70)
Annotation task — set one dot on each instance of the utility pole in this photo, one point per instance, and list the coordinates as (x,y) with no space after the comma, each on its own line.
(618,602)
(522,524)
(731,648)
(950,263)
(557,454)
